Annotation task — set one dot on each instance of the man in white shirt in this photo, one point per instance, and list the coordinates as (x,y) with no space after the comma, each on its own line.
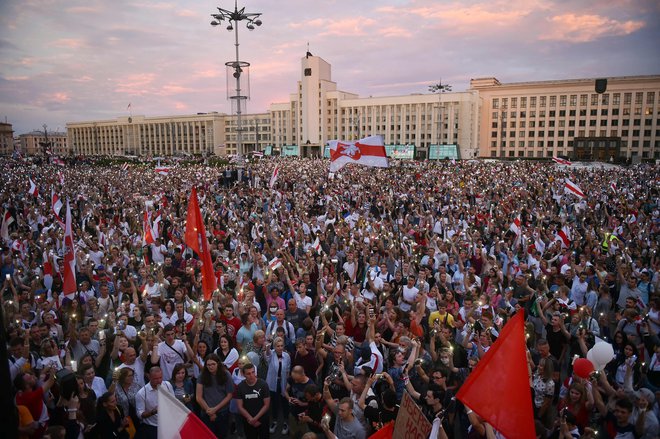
(171,352)
(135,363)
(409,295)
(146,403)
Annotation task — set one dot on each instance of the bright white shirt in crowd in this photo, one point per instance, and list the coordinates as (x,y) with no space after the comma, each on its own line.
(137,368)
(146,400)
(169,358)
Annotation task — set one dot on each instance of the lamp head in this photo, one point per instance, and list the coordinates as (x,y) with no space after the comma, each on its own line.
(230,27)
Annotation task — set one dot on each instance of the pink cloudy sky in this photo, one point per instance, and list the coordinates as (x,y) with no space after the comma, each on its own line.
(73,60)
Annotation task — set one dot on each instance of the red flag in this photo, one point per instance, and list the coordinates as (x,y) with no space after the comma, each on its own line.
(176,421)
(498,388)
(148,235)
(69,286)
(195,238)
(384,433)
(369,151)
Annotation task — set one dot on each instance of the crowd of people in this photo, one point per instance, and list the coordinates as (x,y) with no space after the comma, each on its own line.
(336,294)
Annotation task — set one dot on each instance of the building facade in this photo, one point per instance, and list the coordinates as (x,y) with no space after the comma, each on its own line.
(6,139)
(490,120)
(37,142)
(155,136)
(569,118)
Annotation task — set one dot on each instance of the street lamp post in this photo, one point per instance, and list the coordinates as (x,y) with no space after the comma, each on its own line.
(439,88)
(233,18)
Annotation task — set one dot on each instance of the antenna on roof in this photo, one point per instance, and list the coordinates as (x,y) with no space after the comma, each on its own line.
(308,52)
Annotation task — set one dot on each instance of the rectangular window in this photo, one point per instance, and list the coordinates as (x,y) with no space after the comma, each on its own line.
(616,98)
(639,96)
(542,100)
(594,99)
(532,101)
(583,112)
(573,100)
(562,100)
(583,100)
(523,102)
(496,103)
(603,112)
(627,98)
(514,102)
(650,97)
(605,99)
(553,101)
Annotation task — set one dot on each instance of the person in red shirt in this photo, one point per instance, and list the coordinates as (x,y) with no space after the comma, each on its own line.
(233,322)
(31,395)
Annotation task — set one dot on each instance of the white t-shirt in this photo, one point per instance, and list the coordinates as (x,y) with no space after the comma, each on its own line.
(409,295)
(138,368)
(169,357)
(303,302)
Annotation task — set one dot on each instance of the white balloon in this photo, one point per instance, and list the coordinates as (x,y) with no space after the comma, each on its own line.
(602,353)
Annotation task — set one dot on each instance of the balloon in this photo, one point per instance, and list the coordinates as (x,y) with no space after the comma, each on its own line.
(583,367)
(602,354)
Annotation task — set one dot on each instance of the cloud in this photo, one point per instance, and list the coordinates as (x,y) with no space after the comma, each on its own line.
(135,84)
(343,27)
(585,28)
(69,43)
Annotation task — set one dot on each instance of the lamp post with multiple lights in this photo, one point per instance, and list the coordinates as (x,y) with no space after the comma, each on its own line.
(439,88)
(233,19)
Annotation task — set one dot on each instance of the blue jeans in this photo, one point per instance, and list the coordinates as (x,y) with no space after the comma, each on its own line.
(220,426)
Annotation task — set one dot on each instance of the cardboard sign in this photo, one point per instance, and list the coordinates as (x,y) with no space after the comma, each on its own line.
(411,422)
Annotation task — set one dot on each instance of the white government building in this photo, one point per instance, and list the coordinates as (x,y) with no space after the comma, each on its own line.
(489,120)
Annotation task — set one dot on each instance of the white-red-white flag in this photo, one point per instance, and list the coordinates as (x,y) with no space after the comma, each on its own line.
(273,178)
(317,245)
(369,151)
(613,186)
(34,191)
(162,170)
(574,189)
(275,263)
(515,225)
(57,205)
(155,227)
(561,161)
(60,177)
(564,236)
(69,283)
(7,220)
(176,421)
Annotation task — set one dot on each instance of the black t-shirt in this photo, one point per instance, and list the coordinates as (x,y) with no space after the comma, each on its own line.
(376,415)
(297,390)
(556,340)
(253,396)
